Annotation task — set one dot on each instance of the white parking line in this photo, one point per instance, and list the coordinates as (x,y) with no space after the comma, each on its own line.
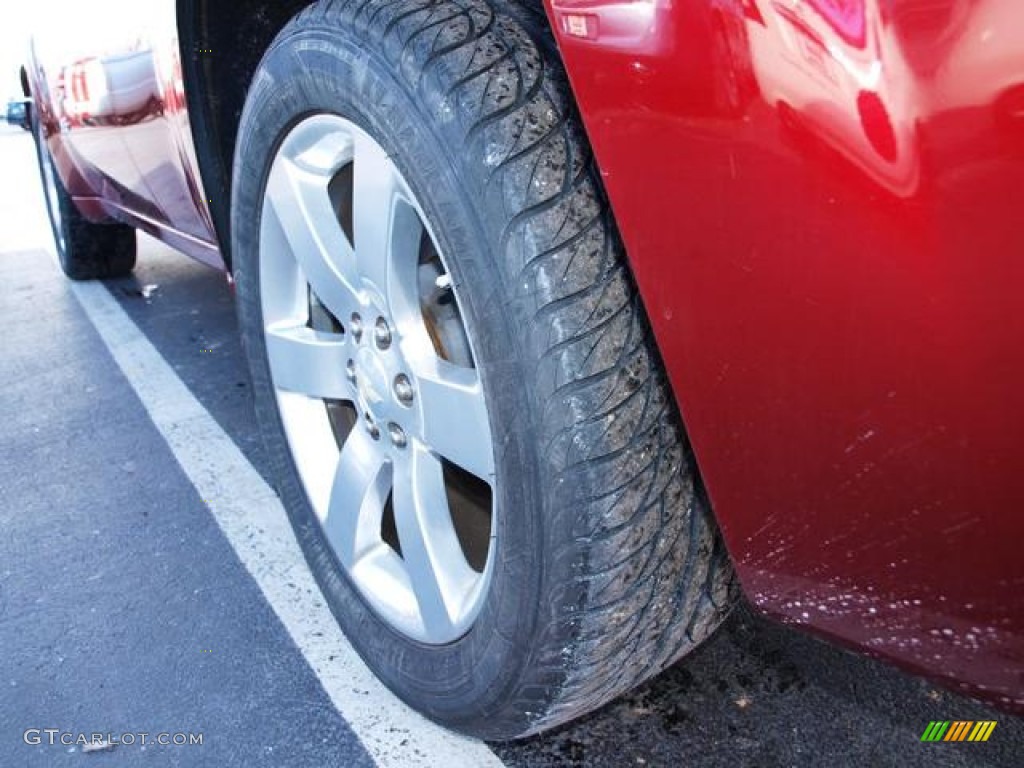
(251,517)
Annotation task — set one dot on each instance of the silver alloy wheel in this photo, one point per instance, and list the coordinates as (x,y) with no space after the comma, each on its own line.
(373,372)
(52,193)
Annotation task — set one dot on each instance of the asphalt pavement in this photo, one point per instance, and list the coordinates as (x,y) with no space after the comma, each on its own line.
(132,602)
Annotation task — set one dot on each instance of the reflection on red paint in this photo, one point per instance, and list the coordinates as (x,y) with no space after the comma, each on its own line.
(874,119)
(832,272)
(118,89)
(846,17)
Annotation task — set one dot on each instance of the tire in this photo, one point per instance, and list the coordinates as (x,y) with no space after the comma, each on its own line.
(603,564)
(86,250)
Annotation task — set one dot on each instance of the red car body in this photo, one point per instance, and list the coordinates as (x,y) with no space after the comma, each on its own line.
(819,203)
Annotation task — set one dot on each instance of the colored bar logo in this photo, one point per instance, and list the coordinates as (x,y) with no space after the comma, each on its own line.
(958,730)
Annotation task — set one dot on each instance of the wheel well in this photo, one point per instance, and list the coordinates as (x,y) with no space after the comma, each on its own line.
(222,43)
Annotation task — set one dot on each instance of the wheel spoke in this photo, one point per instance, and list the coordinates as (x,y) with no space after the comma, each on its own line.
(386,228)
(298,200)
(439,575)
(358,494)
(454,415)
(309,362)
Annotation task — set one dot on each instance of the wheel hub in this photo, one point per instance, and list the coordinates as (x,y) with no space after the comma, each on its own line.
(371,379)
(382,389)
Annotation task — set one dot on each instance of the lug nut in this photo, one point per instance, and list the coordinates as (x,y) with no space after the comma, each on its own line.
(382,334)
(371,427)
(356,326)
(397,435)
(403,389)
(350,371)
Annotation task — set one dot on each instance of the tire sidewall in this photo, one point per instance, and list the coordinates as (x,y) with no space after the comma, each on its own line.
(326,70)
